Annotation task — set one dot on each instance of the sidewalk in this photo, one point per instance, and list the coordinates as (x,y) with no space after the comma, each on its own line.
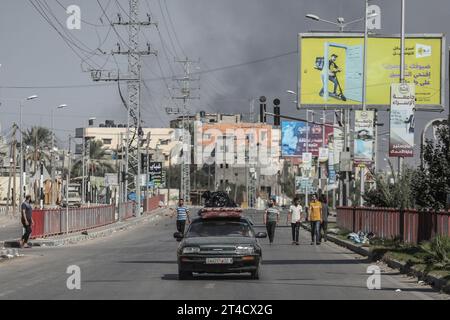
(434,280)
(77,237)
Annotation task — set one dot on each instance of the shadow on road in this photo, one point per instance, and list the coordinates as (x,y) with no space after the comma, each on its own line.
(211,277)
(150,261)
(315,262)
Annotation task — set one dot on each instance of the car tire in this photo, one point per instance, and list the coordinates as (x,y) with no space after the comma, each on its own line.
(184,275)
(255,274)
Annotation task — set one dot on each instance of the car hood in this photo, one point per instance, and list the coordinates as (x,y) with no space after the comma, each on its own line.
(203,241)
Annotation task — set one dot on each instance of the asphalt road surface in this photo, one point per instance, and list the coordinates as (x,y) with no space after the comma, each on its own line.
(140,263)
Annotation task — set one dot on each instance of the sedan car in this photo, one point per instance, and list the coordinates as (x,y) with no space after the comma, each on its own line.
(219,243)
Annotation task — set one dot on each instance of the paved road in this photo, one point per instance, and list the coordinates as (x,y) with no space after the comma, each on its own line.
(141,264)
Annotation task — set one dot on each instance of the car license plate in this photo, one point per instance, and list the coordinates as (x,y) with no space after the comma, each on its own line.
(219,260)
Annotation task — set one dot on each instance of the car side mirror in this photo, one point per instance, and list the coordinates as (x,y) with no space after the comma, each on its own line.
(178,235)
(261,235)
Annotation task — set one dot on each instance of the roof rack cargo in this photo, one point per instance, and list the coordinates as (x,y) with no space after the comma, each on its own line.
(208,213)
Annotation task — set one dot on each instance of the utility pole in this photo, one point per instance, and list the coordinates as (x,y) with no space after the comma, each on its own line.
(133,79)
(186,95)
(12,172)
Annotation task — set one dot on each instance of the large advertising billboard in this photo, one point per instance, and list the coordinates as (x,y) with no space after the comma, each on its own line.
(331,68)
(293,138)
(364,136)
(402,121)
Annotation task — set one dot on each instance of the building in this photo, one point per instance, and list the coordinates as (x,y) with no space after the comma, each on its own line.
(164,142)
(206,118)
(236,150)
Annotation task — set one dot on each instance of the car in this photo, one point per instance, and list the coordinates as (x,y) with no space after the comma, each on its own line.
(219,241)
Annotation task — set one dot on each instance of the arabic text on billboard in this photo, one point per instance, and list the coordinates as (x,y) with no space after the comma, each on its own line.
(402,121)
(364,122)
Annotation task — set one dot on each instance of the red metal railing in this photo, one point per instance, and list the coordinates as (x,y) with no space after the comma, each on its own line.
(126,210)
(50,222)
(414,226)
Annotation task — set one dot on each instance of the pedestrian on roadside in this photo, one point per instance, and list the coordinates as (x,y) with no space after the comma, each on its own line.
(271,218)
(315,218)
(26,218)
(295,215)
(182,216)
(325,213)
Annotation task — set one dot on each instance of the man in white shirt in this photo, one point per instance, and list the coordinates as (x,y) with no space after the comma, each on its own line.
(295,217)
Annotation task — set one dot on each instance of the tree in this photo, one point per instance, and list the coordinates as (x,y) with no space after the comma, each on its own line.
(431,182)
(393,190)
(39,140)
(100,161)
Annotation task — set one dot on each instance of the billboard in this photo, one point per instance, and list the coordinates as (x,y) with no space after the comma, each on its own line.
(155,173)
(364,136)
(402,121)
(293,138)
(331,68)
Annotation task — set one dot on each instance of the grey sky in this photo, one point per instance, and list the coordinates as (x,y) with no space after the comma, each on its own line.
(219,32)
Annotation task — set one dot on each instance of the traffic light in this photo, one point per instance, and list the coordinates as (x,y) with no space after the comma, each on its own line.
(276,111)
(262,109)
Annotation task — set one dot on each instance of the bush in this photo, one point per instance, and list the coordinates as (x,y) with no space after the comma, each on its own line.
(437,253)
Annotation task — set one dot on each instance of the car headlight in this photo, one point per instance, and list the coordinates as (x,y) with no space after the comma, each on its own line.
(245,249)
(189,250)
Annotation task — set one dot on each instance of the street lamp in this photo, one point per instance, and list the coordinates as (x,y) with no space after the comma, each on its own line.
(52,153)
(22,176)
(340,21)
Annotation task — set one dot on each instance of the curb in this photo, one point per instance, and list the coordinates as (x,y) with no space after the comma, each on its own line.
(92,234)
(435,281)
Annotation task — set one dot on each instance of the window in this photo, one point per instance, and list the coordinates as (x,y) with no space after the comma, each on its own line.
(164,142)
(107,141)
(221,166)
(166,157)
(226,166)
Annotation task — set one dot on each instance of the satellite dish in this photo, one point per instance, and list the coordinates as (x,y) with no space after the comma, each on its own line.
(262,99)
(276,102)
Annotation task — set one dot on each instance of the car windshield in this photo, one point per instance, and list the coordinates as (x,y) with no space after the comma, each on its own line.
(220,229)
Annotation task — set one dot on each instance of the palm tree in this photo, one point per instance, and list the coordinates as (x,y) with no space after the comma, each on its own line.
(100,162)
(39,140)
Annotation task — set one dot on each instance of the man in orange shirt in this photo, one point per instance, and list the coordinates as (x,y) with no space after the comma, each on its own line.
(315,217)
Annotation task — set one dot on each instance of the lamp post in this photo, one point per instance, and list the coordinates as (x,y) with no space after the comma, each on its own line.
(22,177)
(52,154)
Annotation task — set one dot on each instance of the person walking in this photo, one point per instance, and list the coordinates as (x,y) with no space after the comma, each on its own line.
(271,218)
(325,213)
(295,218)
(26,218)
(182,216)
(315,218)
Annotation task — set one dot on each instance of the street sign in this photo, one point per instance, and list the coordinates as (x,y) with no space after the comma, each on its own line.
(111,179)
(155,173)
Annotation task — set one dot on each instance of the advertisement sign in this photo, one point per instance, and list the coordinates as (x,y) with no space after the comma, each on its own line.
(364,136)
(293,138)
(304,185)
(307,160)
(155,173)
(338,144)
(331,68)
(323,154)
(402,120)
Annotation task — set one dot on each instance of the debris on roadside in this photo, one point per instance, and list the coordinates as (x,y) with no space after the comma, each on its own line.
(360,237)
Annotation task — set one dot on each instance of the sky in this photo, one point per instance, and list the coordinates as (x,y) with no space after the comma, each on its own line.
(35,59)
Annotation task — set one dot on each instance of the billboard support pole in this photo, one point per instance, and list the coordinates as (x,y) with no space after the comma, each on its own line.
(307,150)
(402,63)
